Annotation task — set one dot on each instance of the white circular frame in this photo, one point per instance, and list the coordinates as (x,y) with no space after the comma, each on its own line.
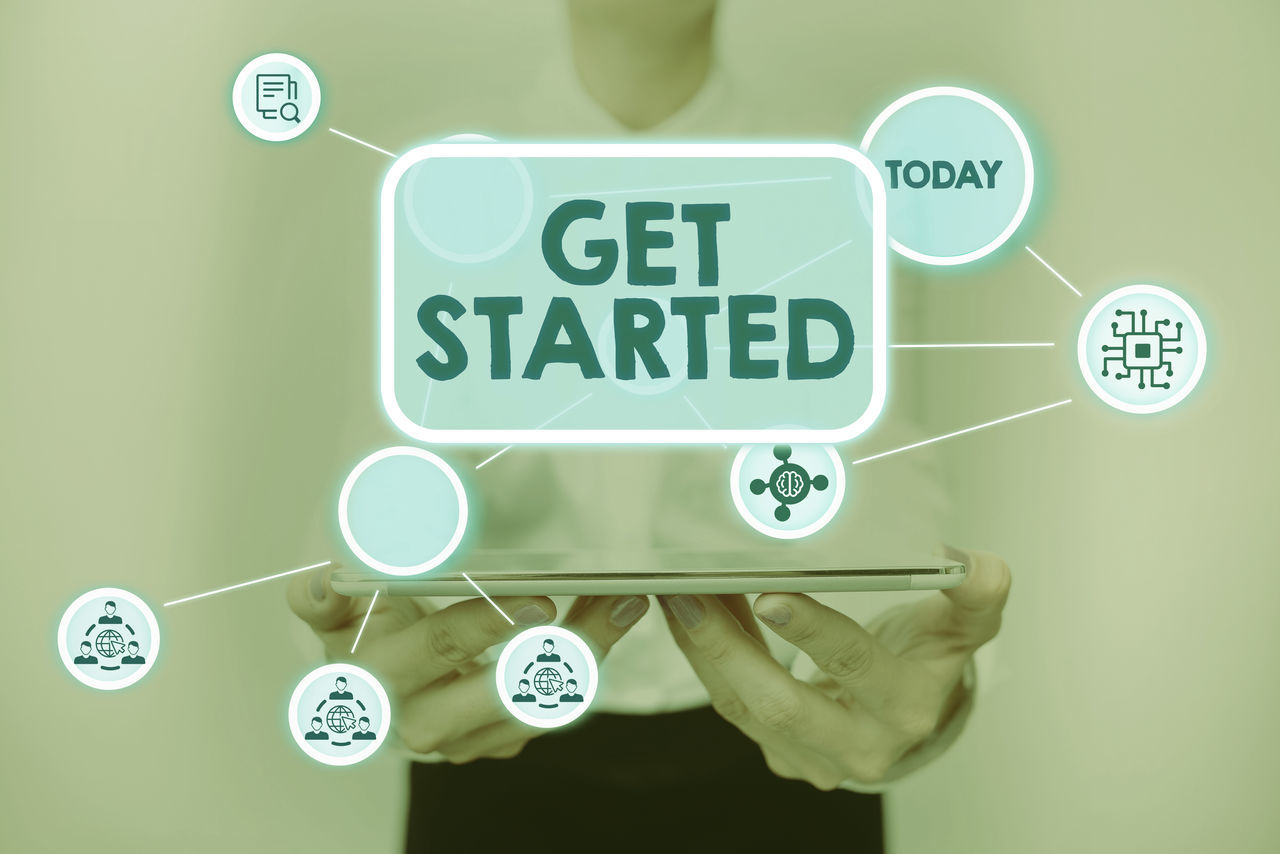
(1082,346)
(593,676)
(526,214)
(108,593)
(300,127)
(384,725)
(1028,168)
(735,490)
(344,523)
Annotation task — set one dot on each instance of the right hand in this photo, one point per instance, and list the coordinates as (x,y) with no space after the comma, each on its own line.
(447,702)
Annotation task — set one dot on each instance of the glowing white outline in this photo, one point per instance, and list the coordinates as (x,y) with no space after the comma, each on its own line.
(1023,147)
(384,726)
(108,593)
(735,478)
(313,112)
(592,674)
(610,436)
(345,523)
(1082,345)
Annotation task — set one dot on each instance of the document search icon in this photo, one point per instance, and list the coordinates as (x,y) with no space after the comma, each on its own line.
(277,96)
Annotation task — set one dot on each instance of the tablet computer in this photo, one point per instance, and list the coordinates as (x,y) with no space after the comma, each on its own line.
(512,572)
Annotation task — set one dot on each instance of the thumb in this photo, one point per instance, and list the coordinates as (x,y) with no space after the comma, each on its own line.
(979,600)
(312,597)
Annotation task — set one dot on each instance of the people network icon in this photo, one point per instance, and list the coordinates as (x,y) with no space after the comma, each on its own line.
(546,676)
(339,714)
(108,638)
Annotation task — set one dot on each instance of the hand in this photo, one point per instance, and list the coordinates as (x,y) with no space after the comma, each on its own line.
(884,689)
(448,702)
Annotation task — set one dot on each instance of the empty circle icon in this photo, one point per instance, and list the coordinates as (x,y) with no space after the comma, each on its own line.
(402,511)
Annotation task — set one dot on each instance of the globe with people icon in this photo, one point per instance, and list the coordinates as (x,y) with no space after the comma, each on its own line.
(547,681)
(109,643)
(341,719)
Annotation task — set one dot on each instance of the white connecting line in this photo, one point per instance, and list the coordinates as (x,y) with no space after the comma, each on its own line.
(487,599)
(594,193)
(811,261)
(1061,278)
(248,583)
(949,346)
(365,621)
(991,346)
(956,346)
(362,142)
(701,417)
(564,411)
(960,432)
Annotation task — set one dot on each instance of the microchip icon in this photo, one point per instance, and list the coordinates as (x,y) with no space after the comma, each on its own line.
(1142,351)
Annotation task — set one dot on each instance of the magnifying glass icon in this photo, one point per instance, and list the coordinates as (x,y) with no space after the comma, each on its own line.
(289,112)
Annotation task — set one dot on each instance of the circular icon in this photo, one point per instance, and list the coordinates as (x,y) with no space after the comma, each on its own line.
(1141,349)
(108,638)
(276,97)
(546,676)
(339,714)
(402,511)
(957,172)
(786,491)
(468,209)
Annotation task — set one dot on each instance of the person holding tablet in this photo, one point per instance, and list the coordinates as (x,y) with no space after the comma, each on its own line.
(719,721)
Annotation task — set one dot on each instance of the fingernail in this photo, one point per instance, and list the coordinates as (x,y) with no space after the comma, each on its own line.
(531,615)
(688,610)
(317,586)
(627,611)
(958,555)
(776,614)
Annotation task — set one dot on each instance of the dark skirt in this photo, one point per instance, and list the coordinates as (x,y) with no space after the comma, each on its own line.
(674,782)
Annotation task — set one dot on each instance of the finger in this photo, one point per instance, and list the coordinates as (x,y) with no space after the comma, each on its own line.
(313,598)
(447,713)
(767,691)
(820,739)
(337,620)
(450,714)
(849,654)
(441,642)
(740,608)
(724,700)
(496,741)
(980,599)
(601,621)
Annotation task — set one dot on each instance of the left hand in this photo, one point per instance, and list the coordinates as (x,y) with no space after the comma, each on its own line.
(886,688)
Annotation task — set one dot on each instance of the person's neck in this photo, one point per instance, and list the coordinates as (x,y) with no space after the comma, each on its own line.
(641,72)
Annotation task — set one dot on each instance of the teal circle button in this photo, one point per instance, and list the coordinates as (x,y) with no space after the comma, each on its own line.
(1142,349)
(402,511)
(957,171)
(276,97)
(787,491)
(468,210)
